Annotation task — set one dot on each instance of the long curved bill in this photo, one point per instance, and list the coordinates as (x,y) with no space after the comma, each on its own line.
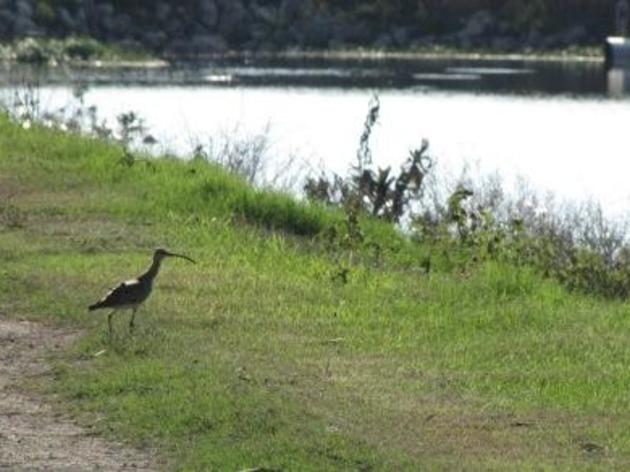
(172,254)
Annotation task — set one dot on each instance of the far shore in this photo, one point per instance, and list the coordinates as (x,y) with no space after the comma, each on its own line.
(590,54)
(118,59)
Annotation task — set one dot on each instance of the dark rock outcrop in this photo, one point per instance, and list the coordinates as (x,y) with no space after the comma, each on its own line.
(194,27)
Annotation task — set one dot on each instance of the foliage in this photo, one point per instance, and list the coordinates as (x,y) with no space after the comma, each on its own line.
(376,192)
(578,246)
(71,49)
(192,28)
(245,156)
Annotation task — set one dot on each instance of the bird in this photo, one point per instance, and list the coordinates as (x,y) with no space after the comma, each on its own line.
(130,294)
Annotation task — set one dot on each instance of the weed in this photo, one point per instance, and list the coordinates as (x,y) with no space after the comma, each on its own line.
(11,216)
(364,153)
(250,157)
(34,50)
(576,245)
(376,192)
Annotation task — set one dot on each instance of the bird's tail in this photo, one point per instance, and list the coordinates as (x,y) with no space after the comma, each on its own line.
(95,306)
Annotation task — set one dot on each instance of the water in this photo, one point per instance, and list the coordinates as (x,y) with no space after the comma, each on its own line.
(554,124)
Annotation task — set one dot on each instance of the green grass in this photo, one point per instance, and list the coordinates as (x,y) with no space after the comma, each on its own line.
(257,357)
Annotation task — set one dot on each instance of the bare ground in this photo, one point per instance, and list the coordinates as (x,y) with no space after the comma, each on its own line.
(35,437)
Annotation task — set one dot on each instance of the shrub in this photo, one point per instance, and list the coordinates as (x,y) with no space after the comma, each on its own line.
(377,192)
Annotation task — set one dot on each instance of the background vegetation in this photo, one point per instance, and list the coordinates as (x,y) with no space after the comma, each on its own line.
(204,27)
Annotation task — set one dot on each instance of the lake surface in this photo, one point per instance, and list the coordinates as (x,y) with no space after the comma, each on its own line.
(564,127)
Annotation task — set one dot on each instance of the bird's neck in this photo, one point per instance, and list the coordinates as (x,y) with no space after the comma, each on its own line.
(152,271)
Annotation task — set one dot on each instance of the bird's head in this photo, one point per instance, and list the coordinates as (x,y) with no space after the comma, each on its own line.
(161,253)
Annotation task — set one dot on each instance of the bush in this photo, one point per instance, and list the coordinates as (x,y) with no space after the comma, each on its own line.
(379,193)
(83,48)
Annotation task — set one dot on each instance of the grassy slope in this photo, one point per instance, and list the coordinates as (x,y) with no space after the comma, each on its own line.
(254,357)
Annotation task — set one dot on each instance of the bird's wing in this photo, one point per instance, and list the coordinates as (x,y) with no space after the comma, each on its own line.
(130,292)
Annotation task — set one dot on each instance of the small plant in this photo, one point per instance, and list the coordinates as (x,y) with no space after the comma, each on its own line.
(379,192)
(248,156)
(24,106)
(464,220)
(364,153)
(243,156)
(11,216)
(576,245)
(345,240)
(130,128)
(76,117)
(83,48)
(32,51)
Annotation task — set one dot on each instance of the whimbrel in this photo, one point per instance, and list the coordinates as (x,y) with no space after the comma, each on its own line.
(130,294)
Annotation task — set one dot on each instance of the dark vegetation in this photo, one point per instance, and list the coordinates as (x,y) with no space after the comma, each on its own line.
(477,223)
(203,27)
(374,192)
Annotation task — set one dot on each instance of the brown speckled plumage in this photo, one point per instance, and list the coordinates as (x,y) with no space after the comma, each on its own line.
(130,294)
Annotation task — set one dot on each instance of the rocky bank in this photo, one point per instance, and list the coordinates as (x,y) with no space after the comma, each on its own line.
(201,27)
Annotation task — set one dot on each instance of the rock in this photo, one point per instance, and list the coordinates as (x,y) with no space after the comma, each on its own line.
(533,40)
(162,12)
(154,39)
(479,24)
(81,22)
(130,44)
(206,44)
(233,24)
(319,32)
(424,41)
(66,20)
(293,10)
(176,47)
(198,45)
(104,15)
(296,35)
(171,25)
(383,41)
(23,24)
(209,13)
(24,27)
(24,8)
(573,36)
(259,33)
(6,23)
(360,32)
(400,36)
(503,43)
(265,14)
(122,26)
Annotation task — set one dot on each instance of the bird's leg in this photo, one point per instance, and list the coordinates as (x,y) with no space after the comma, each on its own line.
(133,315)
(109,323)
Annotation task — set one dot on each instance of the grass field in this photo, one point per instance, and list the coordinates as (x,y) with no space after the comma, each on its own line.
(258,356)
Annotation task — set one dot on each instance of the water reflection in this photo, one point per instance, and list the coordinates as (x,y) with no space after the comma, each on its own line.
(488,76)
(618,82)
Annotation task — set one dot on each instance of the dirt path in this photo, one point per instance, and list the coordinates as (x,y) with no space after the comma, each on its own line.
(33,437)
